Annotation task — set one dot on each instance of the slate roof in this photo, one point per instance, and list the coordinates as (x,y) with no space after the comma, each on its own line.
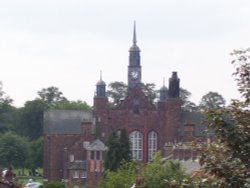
(192,118)
(64,121)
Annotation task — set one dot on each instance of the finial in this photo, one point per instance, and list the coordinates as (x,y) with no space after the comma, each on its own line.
(163,81)
(100,74)
(134,36)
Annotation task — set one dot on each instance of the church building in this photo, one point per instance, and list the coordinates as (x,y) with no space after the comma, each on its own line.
(74,141)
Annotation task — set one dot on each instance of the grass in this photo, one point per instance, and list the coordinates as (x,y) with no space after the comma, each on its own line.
(23,176)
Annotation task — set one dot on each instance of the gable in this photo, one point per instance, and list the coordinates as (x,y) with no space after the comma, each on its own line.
(136,97)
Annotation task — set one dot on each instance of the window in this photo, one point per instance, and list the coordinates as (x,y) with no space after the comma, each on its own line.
(83,174)
(92,155)
(79,174)
(152,144)
(136,147)
(98,155)
(71,158)
(75,174)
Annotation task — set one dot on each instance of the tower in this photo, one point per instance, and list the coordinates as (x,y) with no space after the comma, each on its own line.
(174,86)
(100,99)
(134,67)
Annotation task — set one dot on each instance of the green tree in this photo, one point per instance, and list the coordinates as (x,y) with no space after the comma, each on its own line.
(51,95)
(13,149)
(124,145)
(150,91)
(187,105)
(7,111)
(227,158)
(116,92)
(29,121)
(124,177)
(161,174)
(71,105)
(113,156)
(35,158)
(212,100)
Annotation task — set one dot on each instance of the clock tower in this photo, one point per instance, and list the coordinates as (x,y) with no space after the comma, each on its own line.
(134,67)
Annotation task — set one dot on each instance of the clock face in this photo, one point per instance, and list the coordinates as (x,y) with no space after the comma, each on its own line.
(134,75)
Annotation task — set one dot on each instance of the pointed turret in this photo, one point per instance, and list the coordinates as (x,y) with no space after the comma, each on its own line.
(163,92)
(100,87)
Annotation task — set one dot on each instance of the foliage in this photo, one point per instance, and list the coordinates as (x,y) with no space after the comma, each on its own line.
(71,105)
(116,92)
(228,157)
(118,150)
(161,174)
(150,91)
(187,105)
(30,119)
(35,157)
(124,145)
(13,149)
(7,111)
(122,178)
(212,100)
(113,155)
(51,95)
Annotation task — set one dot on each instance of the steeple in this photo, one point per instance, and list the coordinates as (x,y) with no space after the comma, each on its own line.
(134,36)
(134,47)
(134,67)
(100,87)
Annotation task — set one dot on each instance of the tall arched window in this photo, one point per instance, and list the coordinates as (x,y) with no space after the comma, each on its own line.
(136,147)
(152,144)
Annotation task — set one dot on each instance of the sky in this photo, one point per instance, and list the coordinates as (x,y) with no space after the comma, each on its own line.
(66,43)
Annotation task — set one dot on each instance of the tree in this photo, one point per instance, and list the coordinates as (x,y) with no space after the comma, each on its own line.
(7,111)
(124,145)
(30,119)
(72,105)
(227,158)
(51,95)
(118,150)
(116,92)
(187,105)
(212,100)
(124,177)
(159,174)
(35,158)
(13,150)
(150,91)
(113,156)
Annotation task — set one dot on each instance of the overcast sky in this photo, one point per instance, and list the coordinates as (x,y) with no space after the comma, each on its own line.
(65,43)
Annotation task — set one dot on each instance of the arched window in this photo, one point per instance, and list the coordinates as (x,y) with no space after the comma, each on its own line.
(136,145)
(152,144)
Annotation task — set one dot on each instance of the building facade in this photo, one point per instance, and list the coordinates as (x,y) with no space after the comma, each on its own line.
(74,140)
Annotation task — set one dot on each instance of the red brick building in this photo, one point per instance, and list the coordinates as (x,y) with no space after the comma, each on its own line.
(74,140)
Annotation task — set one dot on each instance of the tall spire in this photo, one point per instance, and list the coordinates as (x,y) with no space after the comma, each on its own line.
(134,36)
